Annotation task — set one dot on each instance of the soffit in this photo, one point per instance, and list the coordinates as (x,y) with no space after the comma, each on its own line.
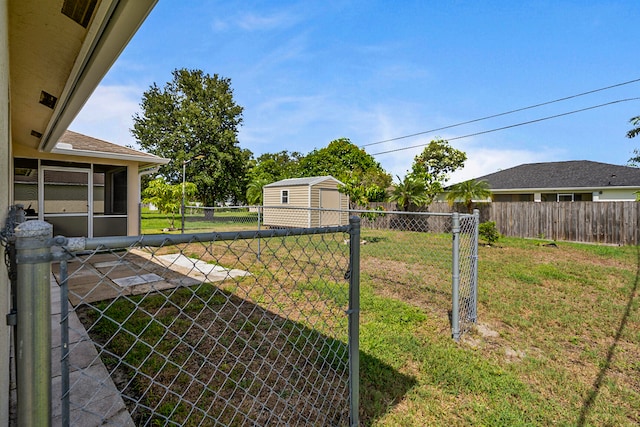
(44,44)
(49,51)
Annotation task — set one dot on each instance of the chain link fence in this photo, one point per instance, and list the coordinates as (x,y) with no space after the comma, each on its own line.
(426,259)
(244,327)
(201,329)
(229,218)
(421,257)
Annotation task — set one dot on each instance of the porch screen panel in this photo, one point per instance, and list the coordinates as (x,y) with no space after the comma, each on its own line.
(66,192)
(98,193)
(66,201)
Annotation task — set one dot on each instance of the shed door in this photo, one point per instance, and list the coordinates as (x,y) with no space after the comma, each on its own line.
(329,199)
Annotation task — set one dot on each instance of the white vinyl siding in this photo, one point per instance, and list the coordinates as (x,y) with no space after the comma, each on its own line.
(314,193)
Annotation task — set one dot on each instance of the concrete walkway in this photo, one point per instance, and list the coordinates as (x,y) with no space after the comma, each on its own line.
(94,399)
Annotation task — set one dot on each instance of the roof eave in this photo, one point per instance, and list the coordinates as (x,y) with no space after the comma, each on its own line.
(583,189)
(146,159)
(112,28)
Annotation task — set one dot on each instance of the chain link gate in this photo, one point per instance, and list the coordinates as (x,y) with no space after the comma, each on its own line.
(429,259)
(419,256)
(199,330)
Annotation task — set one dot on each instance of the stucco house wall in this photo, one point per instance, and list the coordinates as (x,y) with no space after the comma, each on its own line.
(5,197)
(615,195)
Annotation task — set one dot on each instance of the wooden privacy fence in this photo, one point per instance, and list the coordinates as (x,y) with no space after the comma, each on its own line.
(591,222)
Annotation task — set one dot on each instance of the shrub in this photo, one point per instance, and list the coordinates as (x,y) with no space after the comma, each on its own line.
(488,232)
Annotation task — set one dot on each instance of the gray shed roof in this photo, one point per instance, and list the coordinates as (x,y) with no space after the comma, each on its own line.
(301,181)
(569,174)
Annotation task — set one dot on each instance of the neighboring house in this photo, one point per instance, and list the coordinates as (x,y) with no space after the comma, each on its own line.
(305,202)
(82,187)
(53,54)
(578,180)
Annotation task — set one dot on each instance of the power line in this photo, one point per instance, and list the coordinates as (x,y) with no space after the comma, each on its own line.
(502,114)
(512,126)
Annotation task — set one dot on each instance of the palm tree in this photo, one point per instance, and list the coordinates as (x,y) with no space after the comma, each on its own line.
(635,121)
(410,191)
(468,191)
(635,160)
(254,191)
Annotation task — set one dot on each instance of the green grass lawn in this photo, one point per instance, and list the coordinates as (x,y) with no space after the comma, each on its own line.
(558,343)
(558,340)
(153,222)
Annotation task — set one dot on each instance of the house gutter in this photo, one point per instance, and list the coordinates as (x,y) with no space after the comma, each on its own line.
(146,171)
(148,158)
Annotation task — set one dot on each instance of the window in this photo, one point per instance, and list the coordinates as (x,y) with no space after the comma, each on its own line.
(567,197)
(284,197)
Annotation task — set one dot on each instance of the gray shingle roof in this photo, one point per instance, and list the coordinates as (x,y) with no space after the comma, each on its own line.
(569,174)
(88,143)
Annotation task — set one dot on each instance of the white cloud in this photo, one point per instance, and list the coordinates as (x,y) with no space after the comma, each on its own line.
(481,159)
(253,22)
(108,114)
(278,120)
(483,156)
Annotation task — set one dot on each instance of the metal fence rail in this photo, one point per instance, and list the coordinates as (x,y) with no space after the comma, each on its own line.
(200,330)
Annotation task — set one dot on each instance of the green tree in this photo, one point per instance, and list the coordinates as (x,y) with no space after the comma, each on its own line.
(364,188)
(635,121)
(195,115)
(275,166)
(468,191)
(410,191)
(489,232)
(339,159)
(365,180)
(434,165)
(254,190)
(167,197)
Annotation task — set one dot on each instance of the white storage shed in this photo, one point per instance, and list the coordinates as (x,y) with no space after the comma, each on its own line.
(305,202)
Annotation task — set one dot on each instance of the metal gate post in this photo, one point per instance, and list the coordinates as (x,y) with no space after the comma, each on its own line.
(259,221)
(33,349)
(64,340)
(354,321)
(474,266)
(455,277)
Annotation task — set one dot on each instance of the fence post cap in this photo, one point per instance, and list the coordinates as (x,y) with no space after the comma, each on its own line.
(34,229)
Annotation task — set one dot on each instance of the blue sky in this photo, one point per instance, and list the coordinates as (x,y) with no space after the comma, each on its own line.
(308,72)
